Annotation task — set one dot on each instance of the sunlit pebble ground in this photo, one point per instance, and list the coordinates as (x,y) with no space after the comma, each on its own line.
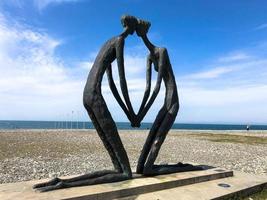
(36,154)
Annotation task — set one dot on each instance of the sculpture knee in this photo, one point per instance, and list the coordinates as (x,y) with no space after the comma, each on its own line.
(88,101)
(158,142)
(87,104)
(174,109)
(128,174)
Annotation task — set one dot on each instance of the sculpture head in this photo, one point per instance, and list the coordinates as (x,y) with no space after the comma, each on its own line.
(142,27)
(129,23)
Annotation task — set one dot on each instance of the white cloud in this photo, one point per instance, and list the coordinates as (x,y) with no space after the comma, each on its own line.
(41,4)
(228,96)
(240,56)
(211,73)
(234,93)
(260,27)
(224,65)
(86,65)
(33,81)
(243,104)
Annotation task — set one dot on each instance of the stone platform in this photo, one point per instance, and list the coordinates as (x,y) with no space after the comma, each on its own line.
(237,187)
(213,183)
(137,186)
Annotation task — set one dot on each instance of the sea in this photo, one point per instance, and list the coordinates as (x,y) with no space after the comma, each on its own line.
(10,124)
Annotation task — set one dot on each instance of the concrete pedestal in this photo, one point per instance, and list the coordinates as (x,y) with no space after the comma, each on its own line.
(136,186)
(202,185)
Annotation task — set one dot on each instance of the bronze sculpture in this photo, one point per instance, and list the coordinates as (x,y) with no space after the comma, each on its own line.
(167,114)
(105,125)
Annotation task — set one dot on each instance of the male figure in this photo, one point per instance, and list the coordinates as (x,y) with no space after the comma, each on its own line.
(100,115)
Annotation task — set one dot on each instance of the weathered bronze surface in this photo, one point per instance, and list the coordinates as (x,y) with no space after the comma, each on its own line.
(103,122)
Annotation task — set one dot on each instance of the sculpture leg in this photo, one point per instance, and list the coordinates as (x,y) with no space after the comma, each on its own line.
(110,137)
(160,135)
(108,133)
(150,168)
(104,139)
(150,138)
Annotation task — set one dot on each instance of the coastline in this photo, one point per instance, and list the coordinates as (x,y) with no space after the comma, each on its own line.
(21,124)
(28,154)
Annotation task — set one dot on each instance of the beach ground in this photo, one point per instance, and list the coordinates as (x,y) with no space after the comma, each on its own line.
(36,154)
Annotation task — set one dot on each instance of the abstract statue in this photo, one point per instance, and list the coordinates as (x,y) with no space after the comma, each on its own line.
(105,125)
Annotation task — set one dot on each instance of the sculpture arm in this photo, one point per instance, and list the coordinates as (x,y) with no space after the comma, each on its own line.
(153,96)
(148,84)
(123,84)
(115,91)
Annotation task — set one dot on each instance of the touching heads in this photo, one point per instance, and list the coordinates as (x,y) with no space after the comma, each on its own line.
(129,23)
(142,27)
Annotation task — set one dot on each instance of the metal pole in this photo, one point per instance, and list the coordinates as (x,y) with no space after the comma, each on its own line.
(68,117)
(71,119)
(77,119)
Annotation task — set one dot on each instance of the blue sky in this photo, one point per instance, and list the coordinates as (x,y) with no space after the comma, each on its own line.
(217,49)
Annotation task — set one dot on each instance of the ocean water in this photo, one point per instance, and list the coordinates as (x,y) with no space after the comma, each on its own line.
(8,124)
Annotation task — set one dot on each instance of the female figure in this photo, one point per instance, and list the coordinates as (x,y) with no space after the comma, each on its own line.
(100,115)
(167,114)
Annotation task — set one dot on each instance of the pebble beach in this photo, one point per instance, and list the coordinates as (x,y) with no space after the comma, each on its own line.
(37,154)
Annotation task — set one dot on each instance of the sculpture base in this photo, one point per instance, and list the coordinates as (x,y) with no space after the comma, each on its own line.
(239,186)
(212,183)
(138,185)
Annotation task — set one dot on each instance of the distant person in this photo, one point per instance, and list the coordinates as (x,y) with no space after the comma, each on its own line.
(248,127)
